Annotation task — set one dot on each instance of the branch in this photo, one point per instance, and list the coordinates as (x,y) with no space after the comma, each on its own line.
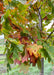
(50,35)
(40,20)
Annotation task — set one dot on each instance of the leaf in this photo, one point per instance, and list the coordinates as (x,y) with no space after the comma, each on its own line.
(9,0)
(45,18)
(33,60)
(49,49)
(38,34)
(1,15)
(8,67)
(17,61)
(39,43)
(0,26)
(14,41)
(53,10)
(1,6)
(10,61)
(7,13)
(45,54)
(39,63)
(21,47)
(33,49)
(5,31)
(15,36)
(15,55)
(25,57)
(50,3)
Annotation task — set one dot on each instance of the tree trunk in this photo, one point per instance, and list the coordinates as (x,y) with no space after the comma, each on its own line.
(40,27)
(42,66)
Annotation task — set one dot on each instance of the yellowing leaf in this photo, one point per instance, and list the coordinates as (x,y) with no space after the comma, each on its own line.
(9,0)
(33,49)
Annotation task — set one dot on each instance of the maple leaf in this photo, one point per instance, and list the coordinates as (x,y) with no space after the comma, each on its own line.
(33,49)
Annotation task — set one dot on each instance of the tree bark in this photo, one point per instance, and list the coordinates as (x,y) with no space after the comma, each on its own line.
(42,66)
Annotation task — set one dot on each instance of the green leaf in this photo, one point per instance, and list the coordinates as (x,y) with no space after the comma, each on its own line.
(14,3)
(15,55)
(53,10)
(13,41)
(45,54)
(10,61)
(24,29)
(21,47)
(50,3)
(39,63)
(39,43)
(5,32)
(49,49)
(7,13)
(8,67)
(38,34)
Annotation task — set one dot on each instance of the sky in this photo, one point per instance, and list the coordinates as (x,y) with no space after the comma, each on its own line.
(49,25)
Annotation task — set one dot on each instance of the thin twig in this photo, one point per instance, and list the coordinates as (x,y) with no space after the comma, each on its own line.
(16,27)
(50,35)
